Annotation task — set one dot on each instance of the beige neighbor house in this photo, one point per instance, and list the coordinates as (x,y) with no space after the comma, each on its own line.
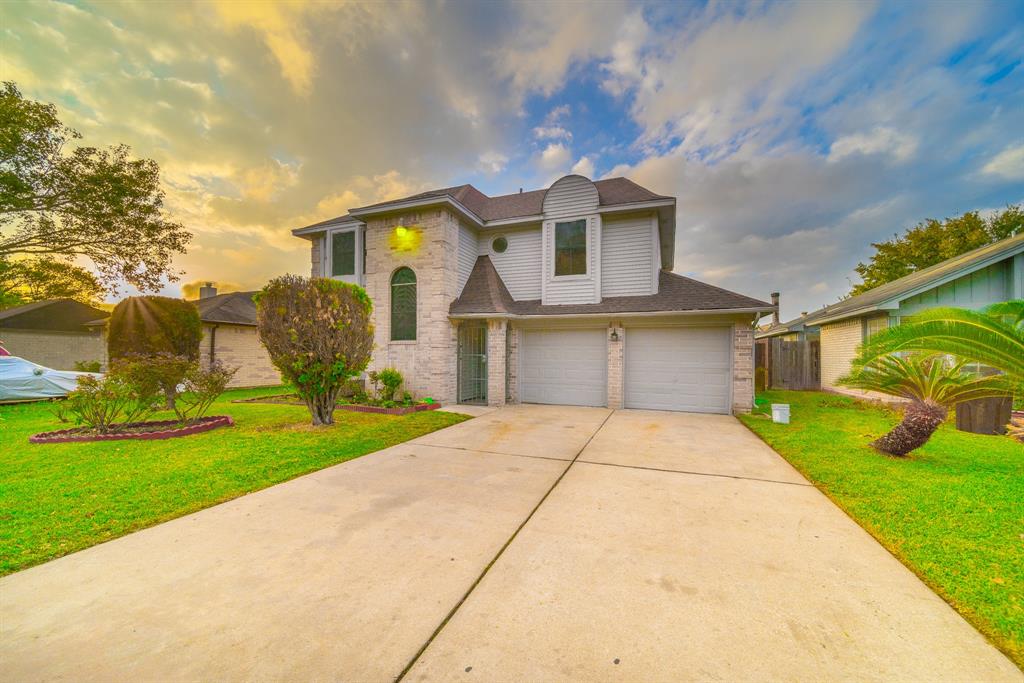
(230,337)
(974,280)
(54,333)
(561,296)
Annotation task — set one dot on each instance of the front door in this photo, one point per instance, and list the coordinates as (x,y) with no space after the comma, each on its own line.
(473,363)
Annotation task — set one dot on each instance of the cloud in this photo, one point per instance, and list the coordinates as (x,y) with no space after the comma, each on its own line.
(555,157)
(190,290)
(493,162)
(881,140)
(551,133)
(584,167)
(1008,164)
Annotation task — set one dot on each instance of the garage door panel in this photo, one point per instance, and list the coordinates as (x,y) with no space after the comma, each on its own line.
(686,369)
(568,367)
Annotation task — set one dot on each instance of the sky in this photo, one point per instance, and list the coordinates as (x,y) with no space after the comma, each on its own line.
(792,134)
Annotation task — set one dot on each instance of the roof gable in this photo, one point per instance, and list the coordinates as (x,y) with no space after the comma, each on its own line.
(922,280)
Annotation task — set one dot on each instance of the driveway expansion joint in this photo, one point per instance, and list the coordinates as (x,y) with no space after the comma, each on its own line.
(455,609)
(698,474)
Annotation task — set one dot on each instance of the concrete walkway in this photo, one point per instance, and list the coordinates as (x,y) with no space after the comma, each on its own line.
(532,543)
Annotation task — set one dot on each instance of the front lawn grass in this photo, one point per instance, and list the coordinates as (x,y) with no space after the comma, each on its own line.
(59,498)
(953,511)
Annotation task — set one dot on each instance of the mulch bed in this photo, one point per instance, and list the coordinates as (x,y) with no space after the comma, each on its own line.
(293,400)
(145,431)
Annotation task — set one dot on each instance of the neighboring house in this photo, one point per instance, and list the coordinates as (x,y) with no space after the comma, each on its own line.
(981,277)
(560,296)
(229,336)
(54,333)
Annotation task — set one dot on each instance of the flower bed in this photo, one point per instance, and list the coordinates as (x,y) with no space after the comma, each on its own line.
(292,399)
(397,410)
(163,429)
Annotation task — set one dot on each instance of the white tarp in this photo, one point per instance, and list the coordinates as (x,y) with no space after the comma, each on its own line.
(21,379)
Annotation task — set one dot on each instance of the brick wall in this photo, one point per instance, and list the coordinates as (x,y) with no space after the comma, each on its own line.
(316,265)
(839,342)
(742,368)
(514,342)
(496,362)
(616,360)
(238,346)
(429,249)
(56,350)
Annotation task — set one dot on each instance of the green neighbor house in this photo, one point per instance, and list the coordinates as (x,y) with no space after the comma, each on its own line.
(974,280)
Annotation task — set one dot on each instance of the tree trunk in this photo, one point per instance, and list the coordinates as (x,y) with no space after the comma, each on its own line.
(169,395)
(920,420)
(321,408)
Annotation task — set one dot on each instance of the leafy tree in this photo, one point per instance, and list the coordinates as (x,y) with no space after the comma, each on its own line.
(162,333)
(27,280)
(931,384)
(932,242)
(318,334)
(62,203)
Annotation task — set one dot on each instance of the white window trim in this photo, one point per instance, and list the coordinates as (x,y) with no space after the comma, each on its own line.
(328,254)
(589,275)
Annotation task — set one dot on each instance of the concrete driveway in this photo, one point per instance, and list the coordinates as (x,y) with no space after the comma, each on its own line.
(533,543)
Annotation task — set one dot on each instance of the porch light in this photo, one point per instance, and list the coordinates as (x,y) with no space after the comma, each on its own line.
(615,336)
(405,239)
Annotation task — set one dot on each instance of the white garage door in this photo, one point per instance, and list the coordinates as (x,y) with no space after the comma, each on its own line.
(564,367)
(678,368)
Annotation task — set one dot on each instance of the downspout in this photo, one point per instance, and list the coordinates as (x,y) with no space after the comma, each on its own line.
(213,345)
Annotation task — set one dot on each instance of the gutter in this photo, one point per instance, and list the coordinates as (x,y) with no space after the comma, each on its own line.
(609,314)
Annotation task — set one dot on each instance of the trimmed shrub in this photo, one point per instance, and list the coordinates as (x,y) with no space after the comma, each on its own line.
(200,389)
(88,366)
(104,403)
(165,330)
(318,334)
(390,379)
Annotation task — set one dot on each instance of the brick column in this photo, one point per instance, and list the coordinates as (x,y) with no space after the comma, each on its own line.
(742,368)
(615,365)
(496,362)
(513,364)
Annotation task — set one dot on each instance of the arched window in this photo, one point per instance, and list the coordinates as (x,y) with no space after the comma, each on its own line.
(403,305)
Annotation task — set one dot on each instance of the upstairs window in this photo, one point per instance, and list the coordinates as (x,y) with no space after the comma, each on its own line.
(403,305)
(571,248)
(343,253)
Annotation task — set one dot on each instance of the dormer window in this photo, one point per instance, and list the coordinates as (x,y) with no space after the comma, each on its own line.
(571,248)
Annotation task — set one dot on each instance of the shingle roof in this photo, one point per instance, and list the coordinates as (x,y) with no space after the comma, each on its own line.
(794,325)
(236,308)
(52,315)
(922,278)
(485,293)
(611,192)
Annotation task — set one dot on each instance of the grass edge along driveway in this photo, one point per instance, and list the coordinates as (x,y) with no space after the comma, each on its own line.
(60,498)
(953,512)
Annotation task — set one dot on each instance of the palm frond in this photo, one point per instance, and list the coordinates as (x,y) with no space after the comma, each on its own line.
(986,337)
(925,378)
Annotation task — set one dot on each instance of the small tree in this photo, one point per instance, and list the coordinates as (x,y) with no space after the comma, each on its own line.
(165,332)
(318,334)
(931,384)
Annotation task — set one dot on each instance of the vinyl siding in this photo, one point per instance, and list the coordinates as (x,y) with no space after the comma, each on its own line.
(627,256)
(572,196)
(467,254)
(573,289)
(839,342)
(520,265)
(975,290)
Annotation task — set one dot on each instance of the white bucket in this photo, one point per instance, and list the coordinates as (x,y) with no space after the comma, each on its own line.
(780,413)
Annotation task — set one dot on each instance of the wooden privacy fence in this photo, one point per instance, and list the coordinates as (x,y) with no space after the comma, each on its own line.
(791,364)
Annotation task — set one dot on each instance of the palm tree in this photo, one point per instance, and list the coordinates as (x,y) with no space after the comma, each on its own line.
(993,337)
(931,383)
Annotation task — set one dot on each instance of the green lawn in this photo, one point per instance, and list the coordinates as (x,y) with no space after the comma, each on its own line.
(953,511)
(59,498)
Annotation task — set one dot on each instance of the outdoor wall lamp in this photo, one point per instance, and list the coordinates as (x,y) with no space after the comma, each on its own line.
(615,335)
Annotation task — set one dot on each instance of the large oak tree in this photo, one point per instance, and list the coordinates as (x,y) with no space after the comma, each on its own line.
(62,201)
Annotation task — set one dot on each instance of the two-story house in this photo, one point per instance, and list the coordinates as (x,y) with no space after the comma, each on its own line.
(560,296)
